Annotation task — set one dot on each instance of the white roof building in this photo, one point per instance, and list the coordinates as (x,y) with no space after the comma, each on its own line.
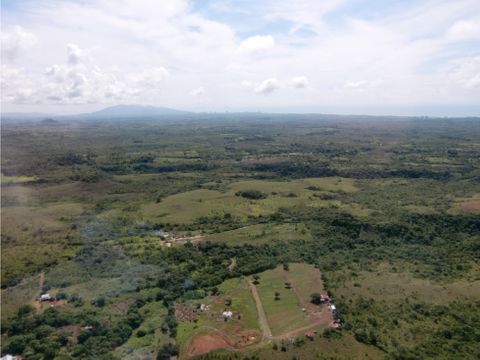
(227,314)
(8,357)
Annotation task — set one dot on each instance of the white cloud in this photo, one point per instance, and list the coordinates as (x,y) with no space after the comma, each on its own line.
(464,30)
(17,87)
(355,84)
(79,81)
(299,82)
(74,54)
(247,84)
(16,40)
(149,78)
(120,51)
(466,72)
(257,43)
(268,86)
(198,91)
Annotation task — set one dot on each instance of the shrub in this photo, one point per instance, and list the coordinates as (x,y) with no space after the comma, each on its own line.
(315,298)
(167,351)
(99,302)
(251,194)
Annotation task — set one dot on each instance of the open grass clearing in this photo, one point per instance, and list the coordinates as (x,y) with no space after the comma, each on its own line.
(22,293)
(241,330)
(470,205)
(242,305)
(383,284)
(293,309)
(345,347)
(185,207)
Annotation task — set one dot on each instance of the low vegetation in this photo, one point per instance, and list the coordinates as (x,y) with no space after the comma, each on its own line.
(131,226)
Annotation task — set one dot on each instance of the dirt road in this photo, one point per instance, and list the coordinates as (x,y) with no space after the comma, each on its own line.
(36,302)
(262,318)
(41,282)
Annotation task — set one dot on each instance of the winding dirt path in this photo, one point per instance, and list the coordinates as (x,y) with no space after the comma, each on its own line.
(323,319)
(262,318)
(41,281)
(233,264)
(36,302)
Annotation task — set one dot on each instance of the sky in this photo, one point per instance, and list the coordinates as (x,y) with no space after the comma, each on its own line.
(404,57)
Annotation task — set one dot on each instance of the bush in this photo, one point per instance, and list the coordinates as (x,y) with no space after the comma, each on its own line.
(167,351)
(315,298)
(99,302)
(251,194)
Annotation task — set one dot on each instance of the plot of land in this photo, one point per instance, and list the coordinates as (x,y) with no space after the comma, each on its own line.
(468,205)
(206,330)
(386,285)
(257,316)
(293,312)
(187,206)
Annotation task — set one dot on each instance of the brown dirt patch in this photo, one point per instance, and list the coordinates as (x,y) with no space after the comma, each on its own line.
(470,206)
(215,340)
(37,306)
(247,338)
(185,313)
(121,307)
(204,344)
(73,330)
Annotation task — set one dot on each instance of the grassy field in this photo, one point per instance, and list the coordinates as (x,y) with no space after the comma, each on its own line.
(36,237)
(22,293)
(306,280)
(16,179)
(345,347)
(244,320)
(187,206)
(391,283)
(286,315)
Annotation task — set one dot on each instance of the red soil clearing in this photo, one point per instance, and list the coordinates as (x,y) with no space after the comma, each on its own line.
(205,343)
(215,340)
(470,207)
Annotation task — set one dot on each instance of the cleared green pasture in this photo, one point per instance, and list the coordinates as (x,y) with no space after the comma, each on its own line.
(22,293)
(242,304)
(306,279)
(345,347)
(384,284)
(285,314)
(185,207)
(35,237)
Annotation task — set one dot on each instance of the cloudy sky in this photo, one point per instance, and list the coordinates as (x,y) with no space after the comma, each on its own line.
(343,56)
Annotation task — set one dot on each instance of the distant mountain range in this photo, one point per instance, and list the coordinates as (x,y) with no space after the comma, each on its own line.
(136,111)
(118,111)
(25,115)
(142,111)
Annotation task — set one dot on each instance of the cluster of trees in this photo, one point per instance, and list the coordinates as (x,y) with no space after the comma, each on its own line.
(251,194)
(315,168)
(36,336)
